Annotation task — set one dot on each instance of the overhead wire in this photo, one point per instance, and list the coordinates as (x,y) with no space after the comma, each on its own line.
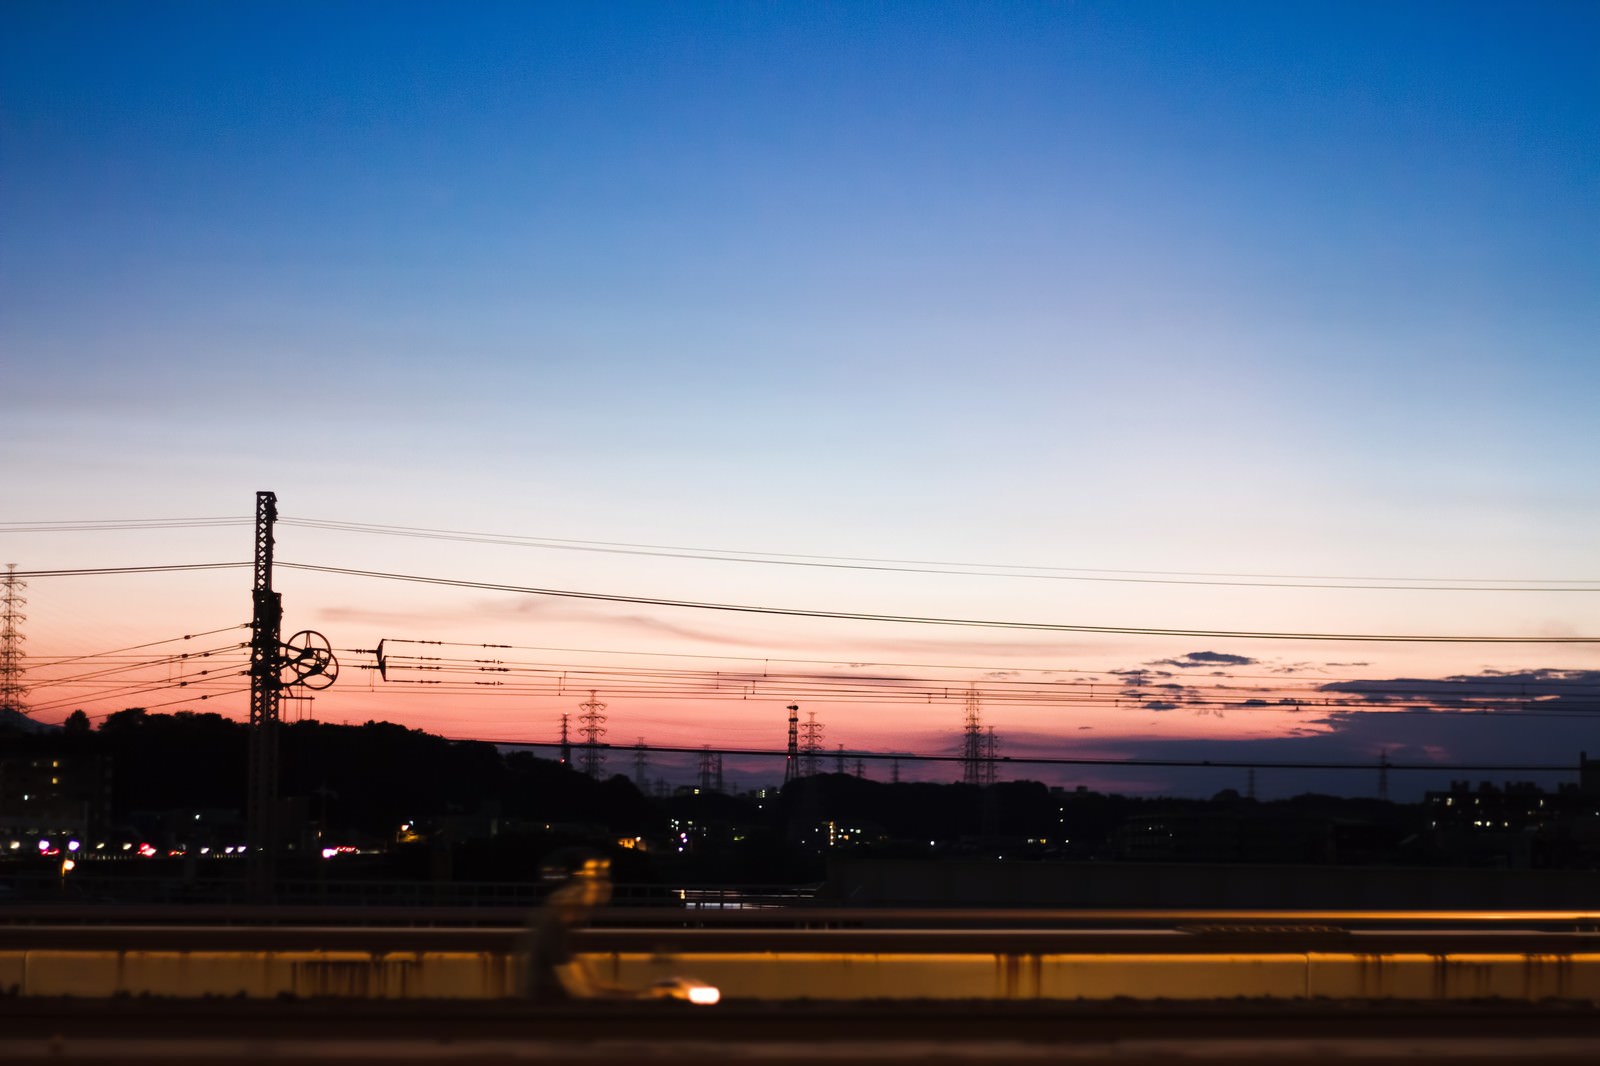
(126,667)
(557,678)
(132,689)
(974,673)
(912,565)
(1051,760)
(94,571)
(923,566)
(859,616)
(201,698)
(140,647)
(116,524)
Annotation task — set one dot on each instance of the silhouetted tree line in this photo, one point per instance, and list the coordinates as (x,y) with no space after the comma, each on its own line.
(467,810)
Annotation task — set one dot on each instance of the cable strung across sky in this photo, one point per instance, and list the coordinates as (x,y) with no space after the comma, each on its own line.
(1064,760)
(857,616)
(1343,582)
(972,569)
(852,616)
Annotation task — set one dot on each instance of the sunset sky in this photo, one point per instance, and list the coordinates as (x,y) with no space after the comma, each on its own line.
(1153,316)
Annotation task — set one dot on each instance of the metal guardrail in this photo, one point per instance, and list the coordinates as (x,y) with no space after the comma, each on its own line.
(90,889)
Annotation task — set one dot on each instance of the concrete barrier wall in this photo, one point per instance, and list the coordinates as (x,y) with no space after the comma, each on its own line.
(1142,976)
(772,976)
(1198,886)
(259,974)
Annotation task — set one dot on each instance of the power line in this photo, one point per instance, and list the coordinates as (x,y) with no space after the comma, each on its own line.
(114,524)
(130,689)
(856,616)
(1111,702)
(922,566)
(141,664)
(201,698)
(1057,760)
(139,647)
(1094,678)
(914,566)
(171,568)
(1576,695)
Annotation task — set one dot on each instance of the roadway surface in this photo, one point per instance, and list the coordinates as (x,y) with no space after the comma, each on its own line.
(311,1033)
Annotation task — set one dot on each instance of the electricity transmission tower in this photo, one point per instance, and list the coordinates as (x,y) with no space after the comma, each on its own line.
(991,755)
(791,765)
(12,689)
(593,729)
(973,741)
(811,745)
(641,763)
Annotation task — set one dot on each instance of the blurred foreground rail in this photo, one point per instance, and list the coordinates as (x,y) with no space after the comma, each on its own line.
(778,954)
(313,1032)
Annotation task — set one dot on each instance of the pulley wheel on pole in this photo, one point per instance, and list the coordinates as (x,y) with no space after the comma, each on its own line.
(307,659)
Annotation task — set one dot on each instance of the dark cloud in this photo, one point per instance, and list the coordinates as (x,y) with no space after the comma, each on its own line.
(1138,678)
(1431,730)
(1207,658)
(1410,738)
(1491,690)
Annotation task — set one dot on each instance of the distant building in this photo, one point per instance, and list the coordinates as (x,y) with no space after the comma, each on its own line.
(1517,824)
(49,788)
(1219,836)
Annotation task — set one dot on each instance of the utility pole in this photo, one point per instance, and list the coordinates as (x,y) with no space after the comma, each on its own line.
(266,624)
(13,691)
(706,769)
(566,743)
(307,661)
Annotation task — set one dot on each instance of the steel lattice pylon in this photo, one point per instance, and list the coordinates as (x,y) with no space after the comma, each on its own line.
(266,626)
(593,728)
(972,740)
(13,691)
(791,765)
(811,745)
(307,660)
